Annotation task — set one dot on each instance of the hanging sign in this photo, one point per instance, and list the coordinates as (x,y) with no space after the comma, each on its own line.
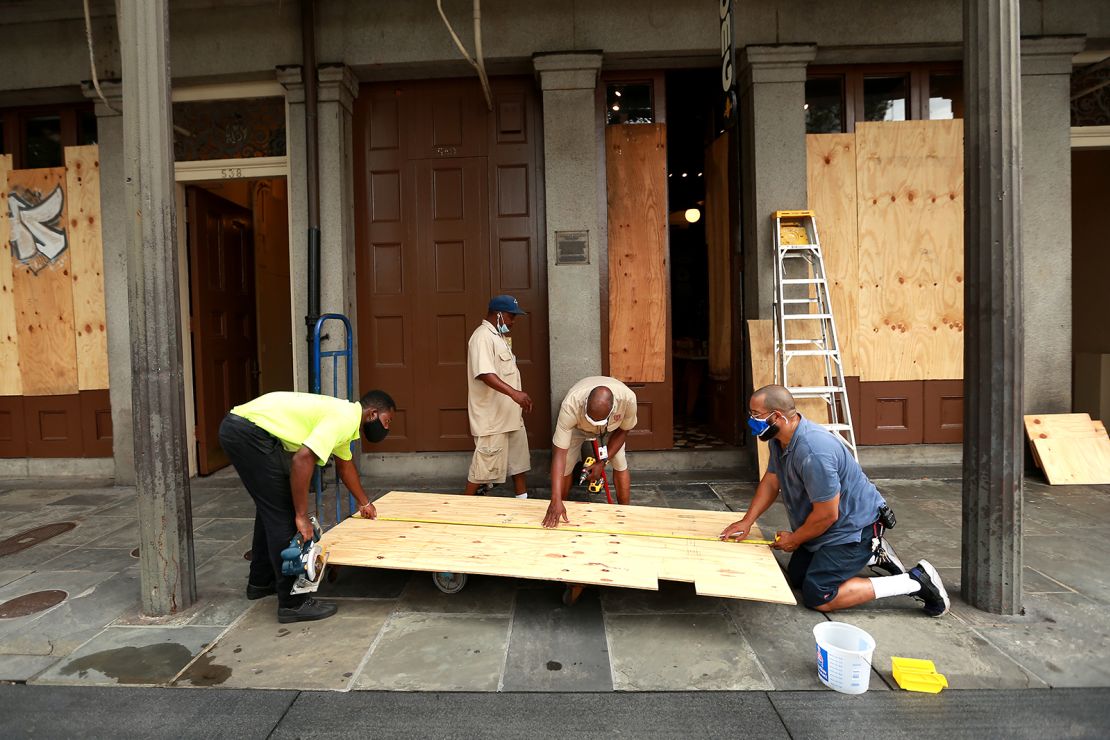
(728,60)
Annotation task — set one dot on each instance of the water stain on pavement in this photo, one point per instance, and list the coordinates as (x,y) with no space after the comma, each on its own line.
(133,665)
(204,672)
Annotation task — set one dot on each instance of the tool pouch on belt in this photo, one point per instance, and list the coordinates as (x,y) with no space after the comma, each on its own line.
(886,517)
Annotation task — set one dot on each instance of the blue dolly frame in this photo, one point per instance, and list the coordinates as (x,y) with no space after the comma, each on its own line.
(317,359)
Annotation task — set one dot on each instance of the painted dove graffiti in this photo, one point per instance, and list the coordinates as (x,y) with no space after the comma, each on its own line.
(34,227)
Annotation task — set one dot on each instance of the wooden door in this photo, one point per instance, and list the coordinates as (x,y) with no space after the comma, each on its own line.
(451,293)
(448,205)
(222,316)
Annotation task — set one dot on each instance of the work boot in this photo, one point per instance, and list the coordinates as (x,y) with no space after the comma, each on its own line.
(259,592)
(932,591)
(886,560)
(309,610)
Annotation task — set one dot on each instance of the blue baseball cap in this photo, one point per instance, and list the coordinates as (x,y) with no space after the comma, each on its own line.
(506,304)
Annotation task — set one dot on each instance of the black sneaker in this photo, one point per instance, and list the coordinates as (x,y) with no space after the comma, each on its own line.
(260,592)
(886,560)
(932,591)
(310,610)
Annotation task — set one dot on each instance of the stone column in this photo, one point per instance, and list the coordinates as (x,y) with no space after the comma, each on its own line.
(113,229)
(993,443)
(772,157)
(1046,221)
(168,574)
(338,89)
(295,146)
(573,182)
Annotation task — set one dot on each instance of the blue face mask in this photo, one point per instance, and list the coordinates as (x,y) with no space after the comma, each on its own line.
(763,428)
(502,327)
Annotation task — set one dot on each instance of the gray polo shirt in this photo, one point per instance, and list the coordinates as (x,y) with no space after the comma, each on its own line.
(814,467)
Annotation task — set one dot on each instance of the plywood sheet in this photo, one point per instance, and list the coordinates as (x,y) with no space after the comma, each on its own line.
(11,383)
(761,350)
(636,174)
(831,185)
(719,245)
(1070,448)
(602,545)
(87,256)
(42,285)
(910,223)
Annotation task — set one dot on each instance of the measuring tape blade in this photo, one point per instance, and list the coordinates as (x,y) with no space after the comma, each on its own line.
(507,525)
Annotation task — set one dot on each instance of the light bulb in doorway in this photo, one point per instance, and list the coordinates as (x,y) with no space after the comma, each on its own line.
(693,215)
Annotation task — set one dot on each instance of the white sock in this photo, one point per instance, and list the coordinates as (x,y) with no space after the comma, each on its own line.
(522,495)
(899,585)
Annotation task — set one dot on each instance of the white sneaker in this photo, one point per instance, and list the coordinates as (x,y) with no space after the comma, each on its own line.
(522,495)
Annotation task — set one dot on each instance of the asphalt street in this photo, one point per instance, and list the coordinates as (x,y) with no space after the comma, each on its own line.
(101,712)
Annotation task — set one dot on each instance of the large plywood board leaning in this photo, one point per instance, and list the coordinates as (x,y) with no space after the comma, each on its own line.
(11,382)
(831,187)
(41,281)
(761,351)
(910,222)
(87,255)
(1070,448)
(636,175)
(603,545)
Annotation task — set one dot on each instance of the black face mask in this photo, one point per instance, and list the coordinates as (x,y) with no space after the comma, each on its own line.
(770,432)
(375,431)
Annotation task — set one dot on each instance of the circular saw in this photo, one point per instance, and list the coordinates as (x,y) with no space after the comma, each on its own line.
(305,561)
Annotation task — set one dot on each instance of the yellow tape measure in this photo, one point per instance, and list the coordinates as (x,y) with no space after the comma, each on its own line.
(506,525)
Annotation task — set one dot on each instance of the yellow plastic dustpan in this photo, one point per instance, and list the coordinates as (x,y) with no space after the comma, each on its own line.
(916,674)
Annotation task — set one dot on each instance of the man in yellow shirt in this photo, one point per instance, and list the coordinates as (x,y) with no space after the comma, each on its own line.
(596,408)
(258,437)
(495,402)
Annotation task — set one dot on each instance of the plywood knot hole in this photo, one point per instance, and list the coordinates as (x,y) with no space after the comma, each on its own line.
(1042,435)
(893,198)
(828,159)
(607,580)
(951,196)
(555,555)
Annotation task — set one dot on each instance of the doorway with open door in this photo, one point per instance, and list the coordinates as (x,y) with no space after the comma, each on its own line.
(238,301)
(704,271)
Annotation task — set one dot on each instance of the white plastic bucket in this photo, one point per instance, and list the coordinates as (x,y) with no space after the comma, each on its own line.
(843,656)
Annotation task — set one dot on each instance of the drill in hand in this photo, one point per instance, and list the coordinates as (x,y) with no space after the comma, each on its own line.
(595,485)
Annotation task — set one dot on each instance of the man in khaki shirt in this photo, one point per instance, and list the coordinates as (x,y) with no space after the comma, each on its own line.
(600,408)
(495,402)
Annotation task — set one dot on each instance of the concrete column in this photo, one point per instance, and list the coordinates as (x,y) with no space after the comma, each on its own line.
(338,89)
(993,443)
(295,147)
(168,574)
(572,176)
(772,157)
(113,229)
(1046,221)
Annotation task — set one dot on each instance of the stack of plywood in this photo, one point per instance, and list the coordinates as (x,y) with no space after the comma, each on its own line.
(603,545)
(1070,448)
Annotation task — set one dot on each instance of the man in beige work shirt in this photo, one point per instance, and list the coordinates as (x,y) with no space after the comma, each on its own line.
(495,402)
(600,408)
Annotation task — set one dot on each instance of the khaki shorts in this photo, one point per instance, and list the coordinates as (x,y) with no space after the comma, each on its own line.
(577,437)
(498,456)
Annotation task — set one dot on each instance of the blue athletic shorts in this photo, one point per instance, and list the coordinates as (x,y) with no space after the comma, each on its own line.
(819,574)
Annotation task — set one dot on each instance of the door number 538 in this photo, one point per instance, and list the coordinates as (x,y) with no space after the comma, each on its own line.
(228,173)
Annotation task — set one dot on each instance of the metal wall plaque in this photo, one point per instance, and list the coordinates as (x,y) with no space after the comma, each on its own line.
(572,247)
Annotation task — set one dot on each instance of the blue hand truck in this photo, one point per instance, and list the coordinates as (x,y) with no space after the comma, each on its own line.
(335,356)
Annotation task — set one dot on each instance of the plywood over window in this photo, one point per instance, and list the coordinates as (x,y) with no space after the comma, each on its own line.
(636,175)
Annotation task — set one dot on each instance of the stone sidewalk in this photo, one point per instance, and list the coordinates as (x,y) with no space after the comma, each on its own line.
(395,631)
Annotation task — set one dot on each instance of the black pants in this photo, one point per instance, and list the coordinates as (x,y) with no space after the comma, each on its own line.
(263,466)
(819,575)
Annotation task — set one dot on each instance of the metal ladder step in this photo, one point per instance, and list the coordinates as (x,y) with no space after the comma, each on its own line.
(811,353)
(805,316)
(815,391)
(803,281)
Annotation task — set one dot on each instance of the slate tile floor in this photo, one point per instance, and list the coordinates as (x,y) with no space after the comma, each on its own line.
(395,631)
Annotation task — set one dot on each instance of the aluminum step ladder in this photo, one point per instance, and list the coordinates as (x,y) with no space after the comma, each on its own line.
(803,319)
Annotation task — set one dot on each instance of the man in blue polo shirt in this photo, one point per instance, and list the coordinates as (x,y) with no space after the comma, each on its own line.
(834,512)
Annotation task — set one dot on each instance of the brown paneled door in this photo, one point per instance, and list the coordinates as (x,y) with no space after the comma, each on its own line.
(222,316)
(447,200)
(453,258)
